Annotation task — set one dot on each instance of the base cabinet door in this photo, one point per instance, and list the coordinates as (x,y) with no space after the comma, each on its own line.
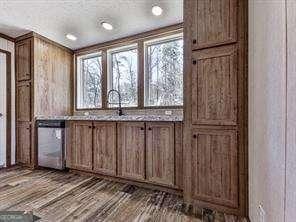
(214,170)
(23,152)
(160,155)
(104,147)
(79,153)
(131,150)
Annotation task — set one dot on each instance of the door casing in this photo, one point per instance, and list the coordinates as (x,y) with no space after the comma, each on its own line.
(8,107)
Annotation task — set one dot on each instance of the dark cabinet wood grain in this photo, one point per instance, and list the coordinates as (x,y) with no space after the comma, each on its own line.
(214,86)
(160,154)
(23,60)
(23,100)
(131,150)
(23,142)
(104,147)
(79,151)
(215,166)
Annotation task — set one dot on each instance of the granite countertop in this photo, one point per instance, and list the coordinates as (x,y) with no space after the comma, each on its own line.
(144,118)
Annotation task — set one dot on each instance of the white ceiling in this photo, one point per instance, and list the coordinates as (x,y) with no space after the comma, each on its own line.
(55,18)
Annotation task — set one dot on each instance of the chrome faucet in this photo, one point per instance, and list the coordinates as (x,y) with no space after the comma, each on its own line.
(120,113)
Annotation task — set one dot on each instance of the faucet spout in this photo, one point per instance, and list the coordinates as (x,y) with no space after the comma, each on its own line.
(120,113)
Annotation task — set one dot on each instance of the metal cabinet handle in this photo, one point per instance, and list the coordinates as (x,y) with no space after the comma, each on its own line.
(142,128)
(194,41)
(194,136)
(149,128)
(194,62)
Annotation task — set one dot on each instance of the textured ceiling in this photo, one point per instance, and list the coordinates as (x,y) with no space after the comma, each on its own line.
(55,18)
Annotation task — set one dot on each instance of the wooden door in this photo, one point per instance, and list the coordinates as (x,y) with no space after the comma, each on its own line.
(214,166)
(23,60)
(23,100)
(160,153)
(213,22)
(104,147)
(79,154)
(214,86)
(131,150)
(23,143)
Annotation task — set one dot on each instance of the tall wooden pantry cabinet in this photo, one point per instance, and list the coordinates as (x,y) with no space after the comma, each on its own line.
(43,86)
(215,111)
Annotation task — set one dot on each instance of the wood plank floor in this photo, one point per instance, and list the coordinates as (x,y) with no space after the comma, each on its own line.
(61,196)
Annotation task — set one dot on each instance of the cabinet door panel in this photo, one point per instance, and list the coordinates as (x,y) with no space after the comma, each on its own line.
(213,22)
(160,153)
(214,86)
(23,60)
(131,150)
(214,170)
(23,143)
(105,148)
(79,154)
(23,99)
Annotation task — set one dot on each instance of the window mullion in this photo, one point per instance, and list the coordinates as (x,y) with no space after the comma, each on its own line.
(141,74)
(104,79)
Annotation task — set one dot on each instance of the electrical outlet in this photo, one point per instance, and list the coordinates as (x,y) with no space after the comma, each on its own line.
(168,112)
(261,213)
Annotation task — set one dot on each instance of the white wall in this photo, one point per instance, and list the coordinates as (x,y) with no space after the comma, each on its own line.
(272,110)
(9,46)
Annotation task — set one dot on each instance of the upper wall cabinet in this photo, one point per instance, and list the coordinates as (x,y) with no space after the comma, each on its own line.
(23,57)
(214,86)
(213,22)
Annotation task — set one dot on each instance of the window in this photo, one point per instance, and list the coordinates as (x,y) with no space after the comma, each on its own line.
(164,71)
(123,75)
(147,71)
(89,81)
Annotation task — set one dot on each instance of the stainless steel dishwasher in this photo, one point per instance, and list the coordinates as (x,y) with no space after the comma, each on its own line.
(51,143)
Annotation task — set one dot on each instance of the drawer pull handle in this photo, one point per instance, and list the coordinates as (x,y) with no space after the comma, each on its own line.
(194,41)
(149,128)
(194,136)
(142,128)
(194,62)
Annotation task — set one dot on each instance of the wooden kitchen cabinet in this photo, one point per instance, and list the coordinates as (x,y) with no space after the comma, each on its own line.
(79,151)
(160,153)
(131,150)
(104,147)
(23,142)
(23,100)
(23,60)
(214,162)
(214,86)
(212,22)
(215,109)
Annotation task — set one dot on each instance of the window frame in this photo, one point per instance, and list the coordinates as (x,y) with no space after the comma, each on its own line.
(112,51)
(82,58)
(158,41)
(103,48)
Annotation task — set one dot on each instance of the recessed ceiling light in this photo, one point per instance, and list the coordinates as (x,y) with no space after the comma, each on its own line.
(71,37)
(107,25)
(156,10)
